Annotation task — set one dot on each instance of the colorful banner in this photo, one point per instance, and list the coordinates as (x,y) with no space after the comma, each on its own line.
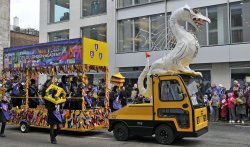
(95,52)
(43,55)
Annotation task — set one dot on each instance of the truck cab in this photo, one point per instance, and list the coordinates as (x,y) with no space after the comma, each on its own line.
(177,110)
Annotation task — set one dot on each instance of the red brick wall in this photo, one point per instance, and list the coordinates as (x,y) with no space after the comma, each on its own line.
(20,39)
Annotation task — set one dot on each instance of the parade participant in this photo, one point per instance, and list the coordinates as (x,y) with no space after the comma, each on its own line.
(33,92)
(4,115)
(54,118)
(224,107)
(74,93)
(231,106)
(241,107)
(66,87)
(123,96)
(17,91)
(112,96)
(88,99)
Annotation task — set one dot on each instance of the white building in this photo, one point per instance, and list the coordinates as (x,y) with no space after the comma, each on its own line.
(4,28)
(130,27)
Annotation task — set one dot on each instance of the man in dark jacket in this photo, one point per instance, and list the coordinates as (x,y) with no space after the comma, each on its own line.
(66,87)
(17,91)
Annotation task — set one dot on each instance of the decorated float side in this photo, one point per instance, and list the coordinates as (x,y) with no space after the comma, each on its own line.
(75,57)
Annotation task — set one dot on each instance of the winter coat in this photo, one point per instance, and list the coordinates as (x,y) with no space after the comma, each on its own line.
(231,102)
(241,105)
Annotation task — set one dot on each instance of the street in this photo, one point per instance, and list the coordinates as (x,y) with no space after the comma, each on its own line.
(220,134)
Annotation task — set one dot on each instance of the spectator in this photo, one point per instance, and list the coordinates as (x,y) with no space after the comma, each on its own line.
(224,107)
(210,91)
(215,100)
(222,89)
(241,107)
(235,87)
(231,106)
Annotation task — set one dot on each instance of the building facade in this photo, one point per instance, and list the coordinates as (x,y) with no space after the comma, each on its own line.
(4,28)
(132,27)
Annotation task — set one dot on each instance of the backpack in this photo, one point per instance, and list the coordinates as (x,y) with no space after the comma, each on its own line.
(248,102)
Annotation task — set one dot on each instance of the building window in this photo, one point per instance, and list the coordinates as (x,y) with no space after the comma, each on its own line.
(125,36)
(93,7)
(218,28)
(59,10)
(240,21)
(59,35)
(141,33)
(158,33)
(125,3)
(96,32)
(141,1)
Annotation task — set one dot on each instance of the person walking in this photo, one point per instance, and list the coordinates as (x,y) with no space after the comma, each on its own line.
(231,106)
(241,108)
(215,103)
(54,118)
(4,114)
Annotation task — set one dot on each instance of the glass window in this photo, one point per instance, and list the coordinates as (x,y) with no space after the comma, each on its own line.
(202,34)
(59,35)
(59,10)
(240,21)
(141,1)
(93,7)
(97,32)
(218,28)
(141,33)
(125,36)
(124,3)
(158,33)
(170,91)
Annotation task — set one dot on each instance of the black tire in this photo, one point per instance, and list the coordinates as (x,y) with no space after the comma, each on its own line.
(24,127)
(120,132)
(164,134)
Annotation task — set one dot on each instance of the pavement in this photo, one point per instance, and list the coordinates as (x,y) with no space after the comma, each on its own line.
(220,135)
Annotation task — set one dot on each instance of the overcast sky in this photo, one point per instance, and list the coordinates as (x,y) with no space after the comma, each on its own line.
(27,11)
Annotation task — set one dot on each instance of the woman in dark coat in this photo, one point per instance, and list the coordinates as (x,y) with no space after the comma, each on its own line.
(4,115)
(54,118)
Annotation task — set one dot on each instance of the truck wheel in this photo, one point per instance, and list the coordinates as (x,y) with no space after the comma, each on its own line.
(164,134)
(24,127)
(121,132)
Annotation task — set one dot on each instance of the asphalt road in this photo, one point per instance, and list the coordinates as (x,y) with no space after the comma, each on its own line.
(220,134)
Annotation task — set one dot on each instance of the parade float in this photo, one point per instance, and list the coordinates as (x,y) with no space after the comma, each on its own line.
(69,57)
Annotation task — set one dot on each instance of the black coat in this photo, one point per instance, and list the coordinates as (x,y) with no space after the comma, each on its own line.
(51,117)
(2,117)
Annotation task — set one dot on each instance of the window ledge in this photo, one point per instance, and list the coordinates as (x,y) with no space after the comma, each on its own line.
(135,5)
(51,23)
(101,14)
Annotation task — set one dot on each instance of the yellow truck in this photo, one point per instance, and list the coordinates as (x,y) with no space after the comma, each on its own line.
(177,110)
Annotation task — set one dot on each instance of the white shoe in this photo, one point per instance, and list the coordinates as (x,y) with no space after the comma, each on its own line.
(230,121)
(238,121)
(242,122)
(233,121)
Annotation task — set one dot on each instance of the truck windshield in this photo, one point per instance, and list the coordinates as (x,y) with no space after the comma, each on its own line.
(194,91)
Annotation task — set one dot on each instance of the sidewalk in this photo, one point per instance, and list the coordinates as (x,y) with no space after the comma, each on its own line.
(220,122)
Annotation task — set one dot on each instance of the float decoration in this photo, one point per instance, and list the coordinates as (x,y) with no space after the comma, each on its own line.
(177,61)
